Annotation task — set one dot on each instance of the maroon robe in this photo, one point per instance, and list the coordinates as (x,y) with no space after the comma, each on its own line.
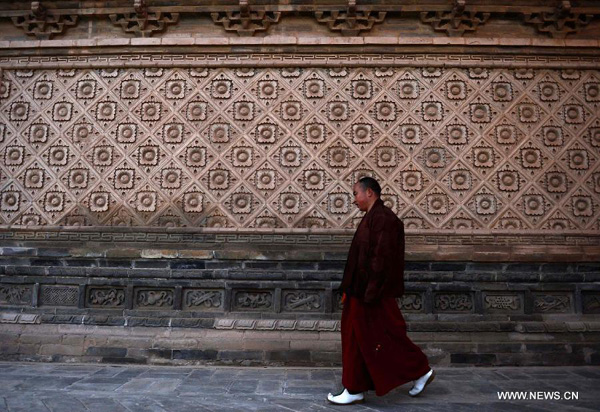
(376,353)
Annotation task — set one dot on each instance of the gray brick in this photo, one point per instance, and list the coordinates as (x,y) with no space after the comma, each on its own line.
(473,359)
(262,265)
(188,264)
(195,354)
(106,352)
(485,267)
(240,355)
(588,267)
(448,267)
(546,348)
(290,356)
(18,251)
(522,267)
(298,265)
(155,263)
(115,263)
(332,265)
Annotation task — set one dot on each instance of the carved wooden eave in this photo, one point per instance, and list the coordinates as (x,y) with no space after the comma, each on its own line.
(145,18)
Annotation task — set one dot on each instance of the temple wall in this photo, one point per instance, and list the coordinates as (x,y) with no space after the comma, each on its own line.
(184,193)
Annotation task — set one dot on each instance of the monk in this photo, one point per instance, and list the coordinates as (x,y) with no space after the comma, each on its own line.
(376,353)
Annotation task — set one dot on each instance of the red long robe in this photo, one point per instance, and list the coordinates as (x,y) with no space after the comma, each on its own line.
(376,352)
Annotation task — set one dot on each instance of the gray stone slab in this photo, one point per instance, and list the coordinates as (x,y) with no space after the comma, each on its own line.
(25,402)
(60,402)
(98,384)
(101,404)
(270,387)
(141,404)
(243,386)
(46,383)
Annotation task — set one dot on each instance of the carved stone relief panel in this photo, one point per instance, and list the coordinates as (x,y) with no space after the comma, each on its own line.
(454,148)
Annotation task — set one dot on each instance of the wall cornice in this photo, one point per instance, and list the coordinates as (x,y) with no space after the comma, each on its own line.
(146,18)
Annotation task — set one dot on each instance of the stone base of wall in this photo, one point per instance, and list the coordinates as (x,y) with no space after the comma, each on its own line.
(446,343)
(254,311)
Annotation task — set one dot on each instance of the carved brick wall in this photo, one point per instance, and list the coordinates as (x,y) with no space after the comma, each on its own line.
(454,148)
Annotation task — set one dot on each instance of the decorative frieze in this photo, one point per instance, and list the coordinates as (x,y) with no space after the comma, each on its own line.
(346,17)
(281,148)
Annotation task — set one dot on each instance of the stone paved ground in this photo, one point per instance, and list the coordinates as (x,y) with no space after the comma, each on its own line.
(33,387)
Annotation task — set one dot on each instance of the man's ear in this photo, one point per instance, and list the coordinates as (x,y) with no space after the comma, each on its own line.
(370,192)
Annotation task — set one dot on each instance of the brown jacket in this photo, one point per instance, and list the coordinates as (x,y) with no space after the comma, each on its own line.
(375,266)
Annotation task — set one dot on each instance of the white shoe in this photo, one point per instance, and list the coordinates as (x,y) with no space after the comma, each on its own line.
(421,383)
(346,398)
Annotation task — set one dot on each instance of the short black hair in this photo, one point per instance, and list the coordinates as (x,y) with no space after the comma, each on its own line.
(368,182)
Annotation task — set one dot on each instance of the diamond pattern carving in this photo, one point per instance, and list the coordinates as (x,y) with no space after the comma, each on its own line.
(279,148)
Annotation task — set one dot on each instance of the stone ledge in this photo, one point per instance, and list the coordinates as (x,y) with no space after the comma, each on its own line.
(22,318)
(279,40)
(300,325)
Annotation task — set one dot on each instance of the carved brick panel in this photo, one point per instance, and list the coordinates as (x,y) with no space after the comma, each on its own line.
(253,300)
(453,302)
(302,301)
(203,299)
(477,149)
(411,302)
(105,297)
(591,302)
(552,303)
(59,295)
(503,302)
(153,298)
(15,294)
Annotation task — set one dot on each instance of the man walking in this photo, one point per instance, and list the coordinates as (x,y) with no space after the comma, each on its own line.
(376,353)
